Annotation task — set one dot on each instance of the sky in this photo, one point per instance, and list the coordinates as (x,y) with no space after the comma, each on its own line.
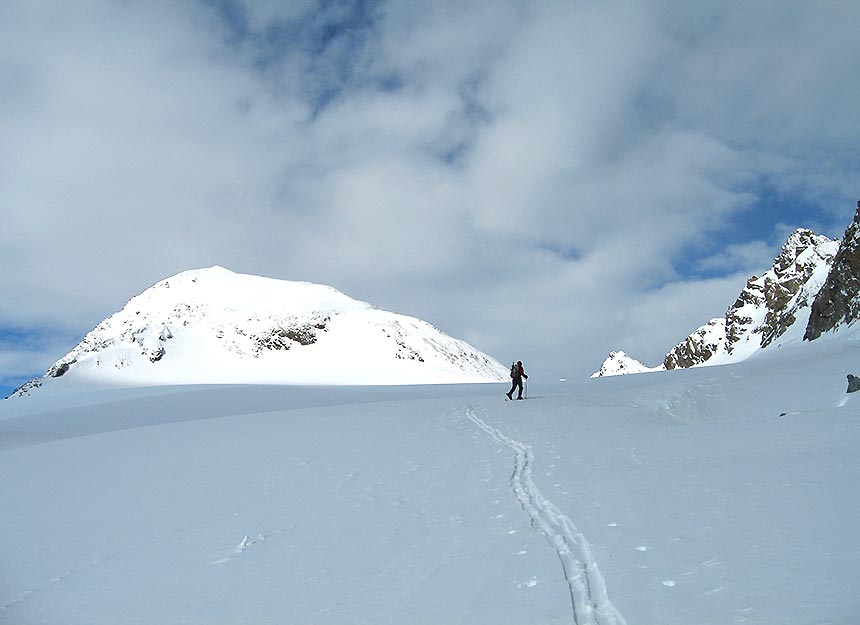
(546,180)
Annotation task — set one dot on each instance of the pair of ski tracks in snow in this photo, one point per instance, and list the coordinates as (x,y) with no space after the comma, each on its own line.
(588,596)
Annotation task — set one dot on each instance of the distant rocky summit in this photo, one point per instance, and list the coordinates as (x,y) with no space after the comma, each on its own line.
(812,288)
(212,326)
(620,363)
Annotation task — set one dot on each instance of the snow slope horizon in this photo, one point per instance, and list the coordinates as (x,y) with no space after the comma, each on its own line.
(704,496)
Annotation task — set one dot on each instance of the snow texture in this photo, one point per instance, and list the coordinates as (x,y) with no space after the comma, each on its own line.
(708,496)
(588,595)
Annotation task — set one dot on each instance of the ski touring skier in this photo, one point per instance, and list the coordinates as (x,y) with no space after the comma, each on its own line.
(517,375)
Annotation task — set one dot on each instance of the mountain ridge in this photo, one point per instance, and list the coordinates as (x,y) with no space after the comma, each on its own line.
(813,287)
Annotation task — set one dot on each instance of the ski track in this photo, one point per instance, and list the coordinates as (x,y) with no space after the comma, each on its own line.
(588,595)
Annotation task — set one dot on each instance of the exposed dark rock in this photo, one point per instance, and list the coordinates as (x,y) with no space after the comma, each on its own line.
(303,335)
(281,338)
(26,387)
(838,301)
(405,352)
(781,293)
(276,339)
(853,384)
(156,353)
(59,369)
(700,346)
(737,323)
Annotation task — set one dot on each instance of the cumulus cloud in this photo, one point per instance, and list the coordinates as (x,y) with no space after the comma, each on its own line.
(580,164)
(747,256)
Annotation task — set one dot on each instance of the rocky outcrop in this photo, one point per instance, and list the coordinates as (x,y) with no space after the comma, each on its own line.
(280,338)
(838,301)
(750,299)
(767,307)
(699,347)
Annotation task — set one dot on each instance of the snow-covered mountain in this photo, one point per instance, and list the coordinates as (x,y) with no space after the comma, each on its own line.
(216,326)
(772,309)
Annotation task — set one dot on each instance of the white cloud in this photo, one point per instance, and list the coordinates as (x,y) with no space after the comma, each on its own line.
(755,256)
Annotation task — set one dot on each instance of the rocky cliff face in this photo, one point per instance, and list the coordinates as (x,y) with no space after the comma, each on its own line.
(770,305)
(838,301)
(766,308)
(699,347)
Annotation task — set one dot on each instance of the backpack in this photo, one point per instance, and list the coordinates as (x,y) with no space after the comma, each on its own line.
(514,371)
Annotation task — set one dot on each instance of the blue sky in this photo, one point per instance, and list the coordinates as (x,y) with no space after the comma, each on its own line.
(549,181)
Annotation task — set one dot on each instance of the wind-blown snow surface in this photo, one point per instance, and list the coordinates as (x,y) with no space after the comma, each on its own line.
(706,496)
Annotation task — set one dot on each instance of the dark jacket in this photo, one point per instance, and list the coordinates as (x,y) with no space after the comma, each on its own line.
(517,373)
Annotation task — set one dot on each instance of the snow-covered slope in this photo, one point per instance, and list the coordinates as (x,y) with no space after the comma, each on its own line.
(216,326)
(712,496)
(772,309)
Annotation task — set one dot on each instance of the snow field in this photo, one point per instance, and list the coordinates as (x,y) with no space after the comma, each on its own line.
(303,516)
(710,496)
(589,600)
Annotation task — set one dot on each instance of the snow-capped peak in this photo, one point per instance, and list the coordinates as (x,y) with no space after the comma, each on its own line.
(619,363)
(216,287)
(216,326)
(770,310)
